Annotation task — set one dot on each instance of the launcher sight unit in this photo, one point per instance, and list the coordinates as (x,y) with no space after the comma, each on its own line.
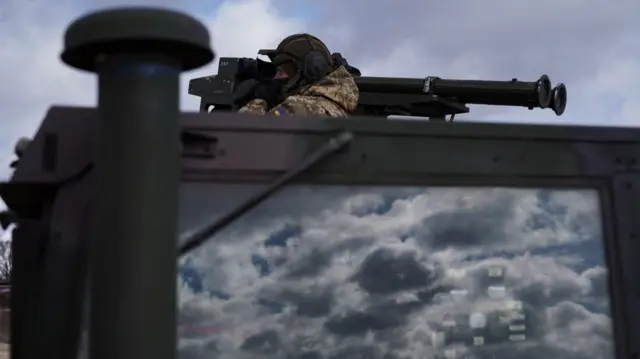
(431,97)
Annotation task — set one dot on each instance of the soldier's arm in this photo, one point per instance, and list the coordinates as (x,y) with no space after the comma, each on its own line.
(256,106)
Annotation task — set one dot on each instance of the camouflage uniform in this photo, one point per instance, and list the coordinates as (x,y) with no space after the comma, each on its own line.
(315,85)
(336,95)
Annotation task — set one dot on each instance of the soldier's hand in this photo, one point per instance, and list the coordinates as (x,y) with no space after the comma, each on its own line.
(271,91)
(245,92)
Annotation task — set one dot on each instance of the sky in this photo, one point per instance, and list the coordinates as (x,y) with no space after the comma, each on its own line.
(590,45)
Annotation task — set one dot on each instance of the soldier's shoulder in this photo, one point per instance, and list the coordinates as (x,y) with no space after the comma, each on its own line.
(303,104)
(255,106)
(312,105)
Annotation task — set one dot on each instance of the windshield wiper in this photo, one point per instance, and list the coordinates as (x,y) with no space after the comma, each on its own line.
(330,147)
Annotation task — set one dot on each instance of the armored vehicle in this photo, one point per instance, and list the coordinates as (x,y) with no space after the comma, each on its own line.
(291,237)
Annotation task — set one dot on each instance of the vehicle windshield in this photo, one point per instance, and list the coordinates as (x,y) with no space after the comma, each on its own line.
(395,272)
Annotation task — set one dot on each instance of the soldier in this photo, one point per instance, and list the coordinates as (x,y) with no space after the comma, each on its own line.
(307,82)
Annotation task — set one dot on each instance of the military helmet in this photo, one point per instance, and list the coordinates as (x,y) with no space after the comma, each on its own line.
(309,54)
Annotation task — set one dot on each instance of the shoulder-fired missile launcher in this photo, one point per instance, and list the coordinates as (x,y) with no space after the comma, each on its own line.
(431,97)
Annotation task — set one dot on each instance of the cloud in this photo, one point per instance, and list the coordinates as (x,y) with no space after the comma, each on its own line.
(34,78)
(588,46)
(398,273)
(240,29)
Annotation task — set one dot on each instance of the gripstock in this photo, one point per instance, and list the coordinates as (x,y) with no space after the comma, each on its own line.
(431,97)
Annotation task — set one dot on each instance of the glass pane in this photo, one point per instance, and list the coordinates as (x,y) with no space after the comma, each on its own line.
(396,272)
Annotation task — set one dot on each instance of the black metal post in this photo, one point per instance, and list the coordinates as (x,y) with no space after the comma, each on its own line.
(138,54)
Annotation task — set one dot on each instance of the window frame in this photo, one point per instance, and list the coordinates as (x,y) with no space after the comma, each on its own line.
(250,149)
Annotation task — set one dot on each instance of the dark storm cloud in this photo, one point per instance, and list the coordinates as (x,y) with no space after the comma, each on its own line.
(467,227)
(300,282)
(384,271)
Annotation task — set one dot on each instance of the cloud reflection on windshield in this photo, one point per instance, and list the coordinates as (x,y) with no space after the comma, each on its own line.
(396,272)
